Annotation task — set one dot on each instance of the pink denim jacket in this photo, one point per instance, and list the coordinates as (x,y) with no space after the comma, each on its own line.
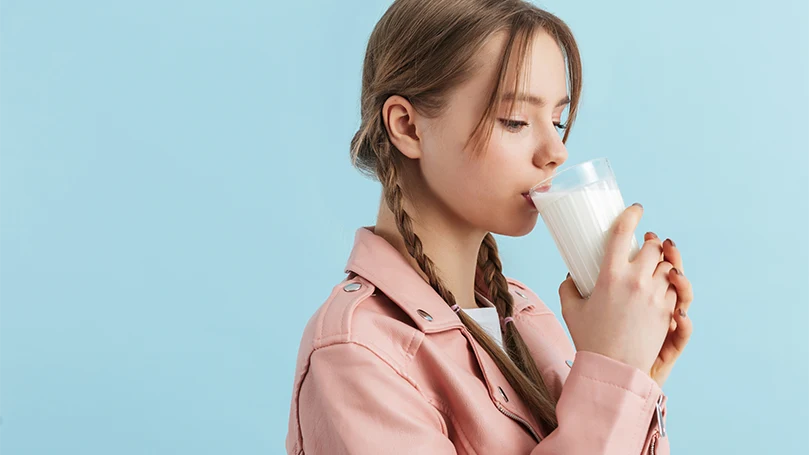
(385,366)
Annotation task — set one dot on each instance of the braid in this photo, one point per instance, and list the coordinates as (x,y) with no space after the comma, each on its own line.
(492,273)
(491,270)
(388,175)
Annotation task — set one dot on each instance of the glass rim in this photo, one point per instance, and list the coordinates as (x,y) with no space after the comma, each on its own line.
(574,166)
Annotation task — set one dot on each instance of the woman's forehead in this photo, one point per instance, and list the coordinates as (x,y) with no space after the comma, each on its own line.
(543,73)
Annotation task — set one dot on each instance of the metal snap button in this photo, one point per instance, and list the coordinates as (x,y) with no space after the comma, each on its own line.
(569,363)
(503,393)
(521,294)
(424,314)
(351,287)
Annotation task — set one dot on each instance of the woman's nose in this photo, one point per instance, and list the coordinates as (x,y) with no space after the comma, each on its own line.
(551,153)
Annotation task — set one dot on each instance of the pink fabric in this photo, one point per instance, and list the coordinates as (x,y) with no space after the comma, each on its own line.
(389,368)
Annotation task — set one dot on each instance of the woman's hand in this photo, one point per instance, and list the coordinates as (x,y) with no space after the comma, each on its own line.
(628,314)
(681,326)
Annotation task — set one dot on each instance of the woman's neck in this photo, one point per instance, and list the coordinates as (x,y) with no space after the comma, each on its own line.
(453,249)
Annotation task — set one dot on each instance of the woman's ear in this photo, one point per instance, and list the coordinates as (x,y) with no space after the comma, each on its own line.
(400,121)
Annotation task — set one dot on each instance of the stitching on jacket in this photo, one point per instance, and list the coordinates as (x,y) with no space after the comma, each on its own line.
(329,340)
(408,355)
(318,335)
(297,395)
(437,403)
(612,384)
(640,429)
(378,351)
(639,426)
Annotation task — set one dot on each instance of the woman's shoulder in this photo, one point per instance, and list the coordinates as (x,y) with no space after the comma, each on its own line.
(357,312)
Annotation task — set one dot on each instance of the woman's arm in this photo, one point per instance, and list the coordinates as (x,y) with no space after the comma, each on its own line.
(353,402)
(606,407)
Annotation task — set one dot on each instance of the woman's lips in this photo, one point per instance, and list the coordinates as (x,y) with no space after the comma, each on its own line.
(528,198)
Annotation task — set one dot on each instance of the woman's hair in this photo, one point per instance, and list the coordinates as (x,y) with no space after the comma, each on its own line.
(421,50)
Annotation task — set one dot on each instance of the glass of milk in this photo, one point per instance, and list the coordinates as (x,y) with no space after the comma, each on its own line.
(578,205)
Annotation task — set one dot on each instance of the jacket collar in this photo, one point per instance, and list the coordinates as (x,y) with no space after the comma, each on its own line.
(376,260)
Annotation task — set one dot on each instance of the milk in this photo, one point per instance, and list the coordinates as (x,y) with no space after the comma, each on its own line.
(579,221)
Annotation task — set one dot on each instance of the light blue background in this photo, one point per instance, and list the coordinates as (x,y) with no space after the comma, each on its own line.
(177,200)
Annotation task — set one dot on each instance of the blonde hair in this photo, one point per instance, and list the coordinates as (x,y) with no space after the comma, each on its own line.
(420,50)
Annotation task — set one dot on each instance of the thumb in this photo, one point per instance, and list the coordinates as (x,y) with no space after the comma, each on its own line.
(568,293)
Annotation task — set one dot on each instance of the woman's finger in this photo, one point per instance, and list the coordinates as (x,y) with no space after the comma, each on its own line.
(650,253)
(661,274)
(671,302)
(649,236)
(685,292)
(685,327)
(672,297)
(616,249)
(677,339)
(672,254)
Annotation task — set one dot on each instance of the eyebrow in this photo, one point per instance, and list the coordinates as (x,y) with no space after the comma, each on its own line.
(536,100)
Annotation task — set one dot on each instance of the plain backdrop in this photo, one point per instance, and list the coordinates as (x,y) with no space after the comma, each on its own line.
(176,200)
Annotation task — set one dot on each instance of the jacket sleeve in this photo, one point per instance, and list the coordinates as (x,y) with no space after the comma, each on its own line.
(606,407)
(352,401)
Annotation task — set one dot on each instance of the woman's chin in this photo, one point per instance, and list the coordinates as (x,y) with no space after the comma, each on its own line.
(517,226)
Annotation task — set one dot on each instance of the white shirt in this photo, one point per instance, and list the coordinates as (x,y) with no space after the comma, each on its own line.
(487,318)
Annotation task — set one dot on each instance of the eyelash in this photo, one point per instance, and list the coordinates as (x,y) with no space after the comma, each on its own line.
(509,124)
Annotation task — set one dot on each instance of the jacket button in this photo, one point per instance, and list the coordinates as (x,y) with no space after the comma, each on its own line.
(503,393)
(521,294)
(569,363)
(351,287)
(424,314)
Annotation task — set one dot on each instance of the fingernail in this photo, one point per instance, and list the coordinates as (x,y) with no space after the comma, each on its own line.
(677,271)
(653,234)
(672,242)
(682,313)
(638,204)
(568,275)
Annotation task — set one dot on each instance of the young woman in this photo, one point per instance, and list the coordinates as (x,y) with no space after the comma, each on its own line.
(426,347)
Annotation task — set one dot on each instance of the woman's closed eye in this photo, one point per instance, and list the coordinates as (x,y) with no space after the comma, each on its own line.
(516,126)
(513,126)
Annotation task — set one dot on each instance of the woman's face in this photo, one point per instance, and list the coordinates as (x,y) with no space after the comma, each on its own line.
(488,192)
